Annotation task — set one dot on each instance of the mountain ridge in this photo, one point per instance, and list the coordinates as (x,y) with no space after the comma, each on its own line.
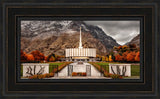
(54,36)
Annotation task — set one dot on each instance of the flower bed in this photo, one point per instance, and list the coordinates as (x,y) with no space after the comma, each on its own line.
(47,75)
(79,74)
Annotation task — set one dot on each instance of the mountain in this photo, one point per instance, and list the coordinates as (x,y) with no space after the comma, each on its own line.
(54,36)
(135,40)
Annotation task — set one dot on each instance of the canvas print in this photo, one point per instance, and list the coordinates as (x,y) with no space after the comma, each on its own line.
(69,49)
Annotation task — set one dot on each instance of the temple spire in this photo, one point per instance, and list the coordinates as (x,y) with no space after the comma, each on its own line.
(80,40)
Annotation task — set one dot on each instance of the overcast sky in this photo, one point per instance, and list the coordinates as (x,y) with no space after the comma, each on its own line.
(121,31)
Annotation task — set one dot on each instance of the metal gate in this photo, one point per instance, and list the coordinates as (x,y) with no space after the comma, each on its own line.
(88,70)
(70,70)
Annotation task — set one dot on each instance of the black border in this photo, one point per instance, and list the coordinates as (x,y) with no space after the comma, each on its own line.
(152,94)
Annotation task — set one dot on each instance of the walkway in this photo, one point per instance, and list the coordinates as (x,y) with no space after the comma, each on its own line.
(95,74)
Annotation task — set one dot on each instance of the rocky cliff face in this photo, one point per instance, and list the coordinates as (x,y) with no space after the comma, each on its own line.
(54,36)
(135,40)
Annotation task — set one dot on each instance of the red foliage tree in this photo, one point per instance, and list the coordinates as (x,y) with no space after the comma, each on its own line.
(46,58)
(131,57)
(119,58)
(23,56)
(30,57)
(38,56)
(137,58)
(124,55)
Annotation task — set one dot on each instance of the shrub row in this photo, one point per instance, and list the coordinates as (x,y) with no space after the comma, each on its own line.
(60,67)
(47,75)
(79,74)
(106,74)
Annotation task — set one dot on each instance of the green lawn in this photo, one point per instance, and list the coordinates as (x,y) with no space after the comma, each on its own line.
(53,65)
(104,65)
(135,69)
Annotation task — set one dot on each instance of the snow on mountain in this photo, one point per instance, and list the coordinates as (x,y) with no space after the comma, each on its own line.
(45,30)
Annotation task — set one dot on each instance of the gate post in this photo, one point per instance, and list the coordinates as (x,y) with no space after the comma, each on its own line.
(70,70)
(88,70)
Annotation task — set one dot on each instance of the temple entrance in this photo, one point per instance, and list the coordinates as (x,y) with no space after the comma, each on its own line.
(79,69)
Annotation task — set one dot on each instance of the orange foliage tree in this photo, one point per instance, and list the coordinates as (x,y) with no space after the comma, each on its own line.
(137,58)
(118,57)
(110,58)
(46,58)
(103,58)
(127,53)
(30,57)
(107,59)
(23,56)
(38,56)
(131,56)
(124,55)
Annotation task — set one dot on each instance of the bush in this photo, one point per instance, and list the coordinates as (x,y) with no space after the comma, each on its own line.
(47,75)
(31,77)
(84,74)
(79,74)
(40,76)
(74,74)
(115,76)
(51,74)
(35,76)
(106,74)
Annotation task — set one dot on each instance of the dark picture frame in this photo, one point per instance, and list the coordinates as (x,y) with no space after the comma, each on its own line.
(146,86)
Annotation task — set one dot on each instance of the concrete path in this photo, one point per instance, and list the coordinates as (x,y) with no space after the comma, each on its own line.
(79,68)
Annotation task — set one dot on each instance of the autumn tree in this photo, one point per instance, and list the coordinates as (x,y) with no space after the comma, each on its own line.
(107,59)
(49,56)
(46,58)
(118,57)
(115,48)
(137,58)
(124,55)
(52,59)
(23,56)
(30,57)
(38,56)
(110,58)
(131,57)
(103,58)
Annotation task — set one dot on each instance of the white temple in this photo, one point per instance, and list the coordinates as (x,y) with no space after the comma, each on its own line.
(80,53)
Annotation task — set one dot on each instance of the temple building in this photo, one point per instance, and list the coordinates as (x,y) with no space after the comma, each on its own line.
(80,53)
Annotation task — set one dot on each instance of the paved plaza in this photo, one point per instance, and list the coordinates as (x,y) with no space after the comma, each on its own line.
(94,73)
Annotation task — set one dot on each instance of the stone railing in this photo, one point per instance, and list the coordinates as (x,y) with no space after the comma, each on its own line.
(30,69)
(121,69)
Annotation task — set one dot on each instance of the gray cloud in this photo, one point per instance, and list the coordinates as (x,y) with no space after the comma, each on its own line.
(121,31)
